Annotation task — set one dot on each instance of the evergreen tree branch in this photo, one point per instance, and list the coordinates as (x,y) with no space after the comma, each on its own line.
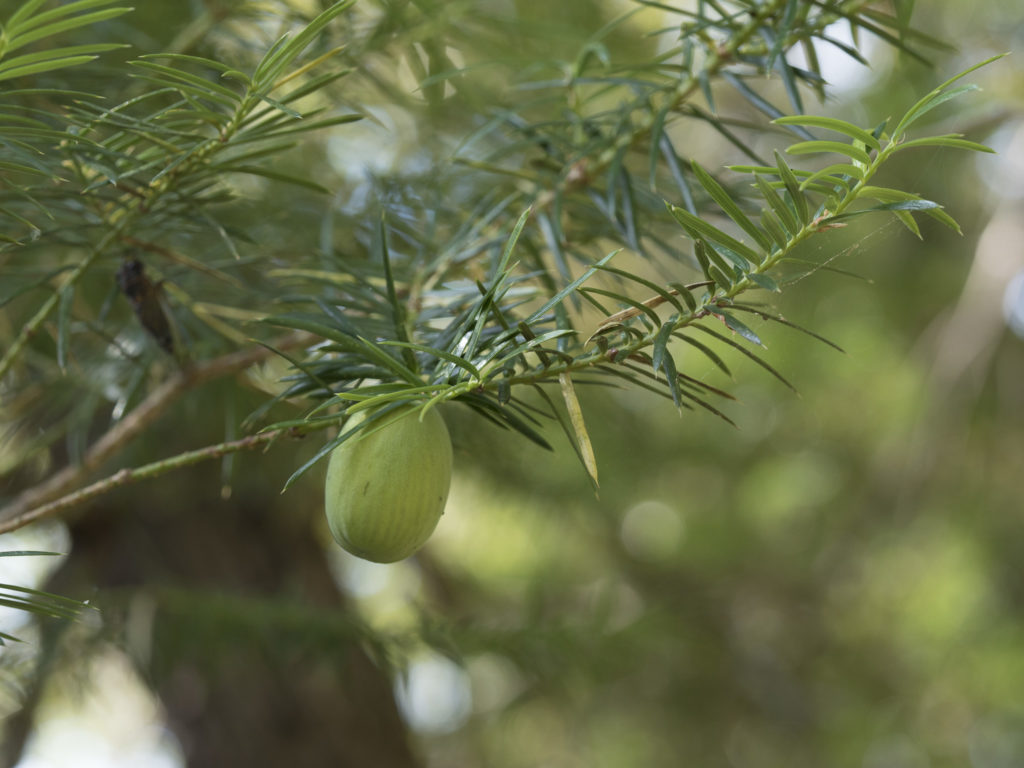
(719,57)
(488,352)
(153,162)
(430,335)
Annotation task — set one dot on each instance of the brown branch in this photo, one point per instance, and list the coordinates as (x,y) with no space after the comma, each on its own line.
(37,498)
(614,321)
(30,514)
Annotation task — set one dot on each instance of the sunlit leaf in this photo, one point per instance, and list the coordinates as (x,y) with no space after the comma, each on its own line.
(572,405)
(832,124)
(838,147)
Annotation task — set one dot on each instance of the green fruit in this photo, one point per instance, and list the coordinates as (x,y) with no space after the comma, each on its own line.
(386,489)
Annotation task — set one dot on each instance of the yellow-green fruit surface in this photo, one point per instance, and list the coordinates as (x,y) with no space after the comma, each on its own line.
(385,491)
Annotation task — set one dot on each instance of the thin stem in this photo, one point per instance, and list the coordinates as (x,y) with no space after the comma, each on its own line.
(23,508)
(126,476)
(708,305)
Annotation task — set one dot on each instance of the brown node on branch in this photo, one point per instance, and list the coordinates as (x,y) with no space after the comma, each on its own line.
(144,296)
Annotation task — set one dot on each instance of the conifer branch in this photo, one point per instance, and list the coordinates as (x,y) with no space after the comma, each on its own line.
(431,335)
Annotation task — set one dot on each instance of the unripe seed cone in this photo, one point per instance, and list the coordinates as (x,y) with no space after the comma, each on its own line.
(385,491)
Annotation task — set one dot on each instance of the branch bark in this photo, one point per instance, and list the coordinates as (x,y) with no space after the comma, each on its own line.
(51,496)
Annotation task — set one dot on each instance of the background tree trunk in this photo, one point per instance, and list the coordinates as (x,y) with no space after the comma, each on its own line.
(230,613)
